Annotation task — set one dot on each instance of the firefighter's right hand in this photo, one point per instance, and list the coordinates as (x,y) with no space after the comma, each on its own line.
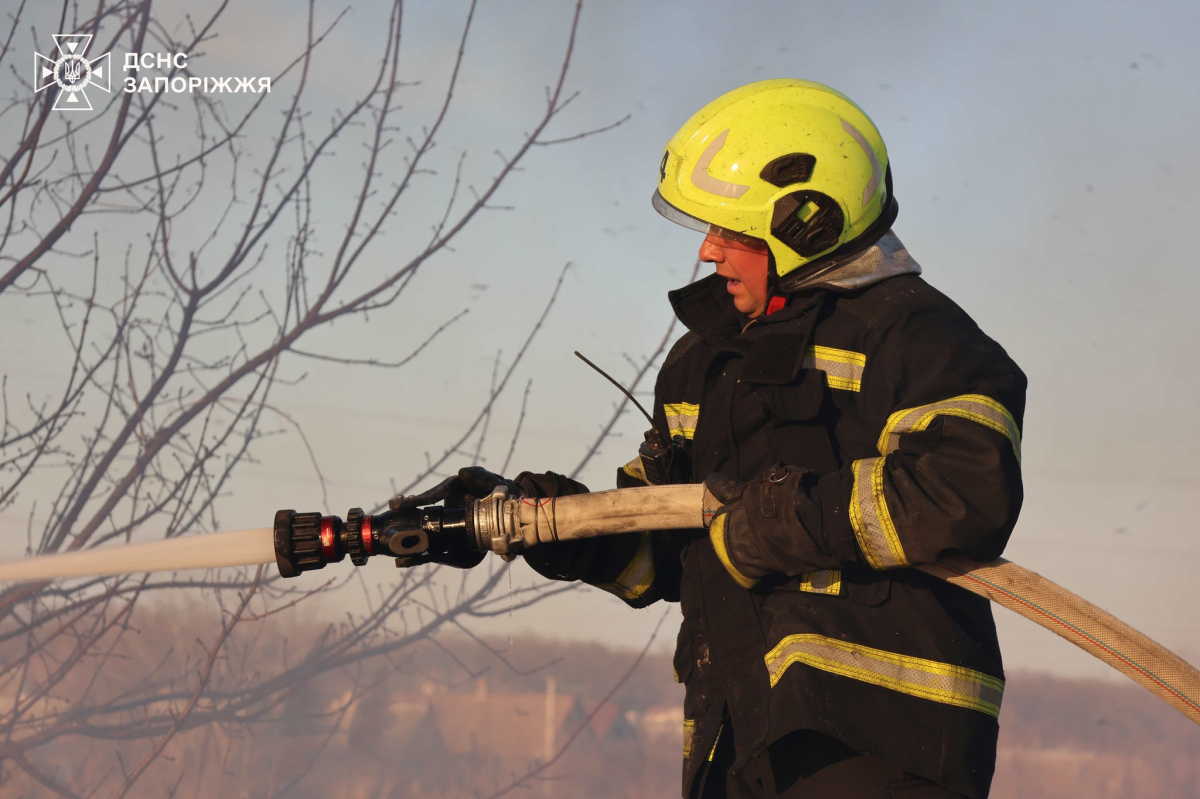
(730,532)
(757,531)
(471,483)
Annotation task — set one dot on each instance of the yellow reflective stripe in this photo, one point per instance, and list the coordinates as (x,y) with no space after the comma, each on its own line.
(976,407)
(634,469)
(927,679)
(826,581)
(869,515)
(682,418)
(843,368)
(689,726)
(837,356)
(842,383)
(637,577)
(713,752)
(716,533)
(870,518)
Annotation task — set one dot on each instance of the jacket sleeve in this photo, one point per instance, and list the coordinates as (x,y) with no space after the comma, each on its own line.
(945,474)
(639,568)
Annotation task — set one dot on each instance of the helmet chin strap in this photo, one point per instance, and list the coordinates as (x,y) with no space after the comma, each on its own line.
(776,300)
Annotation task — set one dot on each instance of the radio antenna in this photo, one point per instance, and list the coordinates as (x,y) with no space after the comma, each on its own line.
(624,391)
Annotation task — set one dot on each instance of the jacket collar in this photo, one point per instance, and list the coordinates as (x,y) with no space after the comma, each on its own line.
(887,257)
(706,308)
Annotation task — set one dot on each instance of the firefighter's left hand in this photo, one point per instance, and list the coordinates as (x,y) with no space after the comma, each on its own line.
(559,560)
(757,524)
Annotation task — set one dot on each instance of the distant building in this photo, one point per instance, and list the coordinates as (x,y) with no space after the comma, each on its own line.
(437,737)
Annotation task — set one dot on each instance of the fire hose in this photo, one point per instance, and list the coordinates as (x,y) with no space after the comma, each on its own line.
(506,525)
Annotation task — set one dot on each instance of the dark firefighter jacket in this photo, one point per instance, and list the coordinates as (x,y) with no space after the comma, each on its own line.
(909,416)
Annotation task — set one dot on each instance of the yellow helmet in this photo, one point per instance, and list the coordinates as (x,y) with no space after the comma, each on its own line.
(791,162)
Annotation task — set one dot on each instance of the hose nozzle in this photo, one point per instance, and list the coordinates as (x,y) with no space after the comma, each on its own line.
(309,541)
(498,523)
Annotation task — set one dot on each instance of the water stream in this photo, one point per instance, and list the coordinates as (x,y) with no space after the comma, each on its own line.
(234,548)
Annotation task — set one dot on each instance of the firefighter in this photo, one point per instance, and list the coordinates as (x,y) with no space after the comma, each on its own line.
(854,421)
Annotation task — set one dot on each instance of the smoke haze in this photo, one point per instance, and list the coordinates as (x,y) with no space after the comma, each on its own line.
(1045,168)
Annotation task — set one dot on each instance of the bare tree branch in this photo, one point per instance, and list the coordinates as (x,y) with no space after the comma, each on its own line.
(172,347)
(649,362)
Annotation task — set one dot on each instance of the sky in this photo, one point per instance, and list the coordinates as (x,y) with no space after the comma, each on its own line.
(1045,167)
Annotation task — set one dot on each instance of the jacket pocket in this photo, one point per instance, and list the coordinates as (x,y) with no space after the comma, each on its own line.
(798,401)
(870,589)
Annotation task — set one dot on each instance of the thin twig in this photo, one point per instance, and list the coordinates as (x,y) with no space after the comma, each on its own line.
(606,430)
(562,750)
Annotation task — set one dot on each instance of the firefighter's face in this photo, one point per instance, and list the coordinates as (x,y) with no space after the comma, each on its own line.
(743,264)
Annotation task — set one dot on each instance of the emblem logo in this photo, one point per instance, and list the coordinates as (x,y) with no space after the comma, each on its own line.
(72,72)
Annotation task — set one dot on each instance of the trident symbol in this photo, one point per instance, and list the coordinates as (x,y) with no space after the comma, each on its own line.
(71,72)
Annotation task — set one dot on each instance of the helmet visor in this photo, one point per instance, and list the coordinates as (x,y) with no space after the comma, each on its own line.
(687,220)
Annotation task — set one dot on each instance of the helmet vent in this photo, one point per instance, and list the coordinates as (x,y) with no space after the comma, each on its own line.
(788,169)
(809,222)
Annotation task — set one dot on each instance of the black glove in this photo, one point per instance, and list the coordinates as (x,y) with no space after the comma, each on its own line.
(757,531)
(471,483)
(563,560)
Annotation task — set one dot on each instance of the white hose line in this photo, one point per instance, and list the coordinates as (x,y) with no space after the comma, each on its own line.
(622,510)
(1151,665)
(234,548)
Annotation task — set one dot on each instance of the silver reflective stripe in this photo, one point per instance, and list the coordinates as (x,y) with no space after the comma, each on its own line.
(706,182)
(843,368)
(682,418)
(870,519)
(976,407)
(927,679)
(826,581)
(876,169)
